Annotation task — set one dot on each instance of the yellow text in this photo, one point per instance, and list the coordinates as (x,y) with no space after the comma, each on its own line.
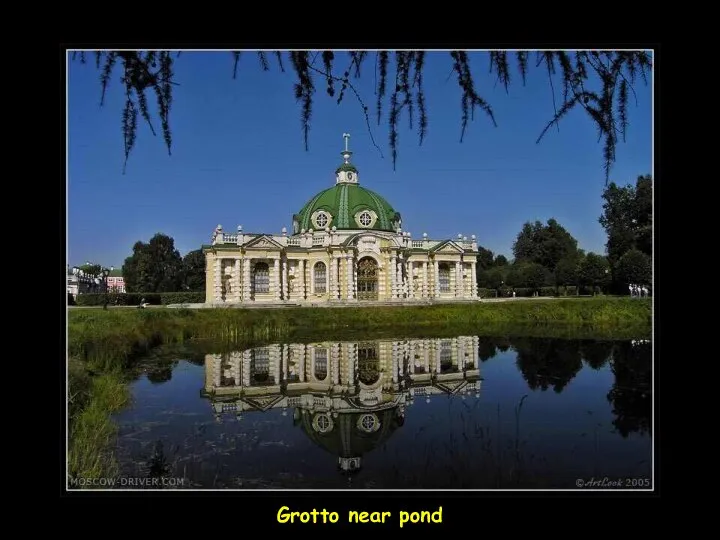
(285,516)
(421,517)
(367,517)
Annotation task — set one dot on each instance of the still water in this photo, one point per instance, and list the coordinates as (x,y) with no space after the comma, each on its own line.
(459,413)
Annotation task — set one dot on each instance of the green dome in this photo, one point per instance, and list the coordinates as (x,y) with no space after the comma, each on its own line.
(346,438)
(347,206)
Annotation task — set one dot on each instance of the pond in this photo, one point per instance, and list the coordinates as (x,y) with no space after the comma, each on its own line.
(466,412)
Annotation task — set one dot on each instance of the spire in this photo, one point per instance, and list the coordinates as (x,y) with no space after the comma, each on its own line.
(346,173)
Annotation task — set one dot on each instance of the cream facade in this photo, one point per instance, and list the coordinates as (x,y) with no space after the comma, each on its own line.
(347,245)
(348,397)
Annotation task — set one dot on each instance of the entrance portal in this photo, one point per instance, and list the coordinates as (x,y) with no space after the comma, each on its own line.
(367,279)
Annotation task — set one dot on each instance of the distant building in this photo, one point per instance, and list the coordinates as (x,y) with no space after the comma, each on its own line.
(116,281)
(81,282)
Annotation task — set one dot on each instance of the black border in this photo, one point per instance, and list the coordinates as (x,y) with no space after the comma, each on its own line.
(458,507)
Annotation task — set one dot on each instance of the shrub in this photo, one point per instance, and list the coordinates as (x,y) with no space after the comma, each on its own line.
(133,299)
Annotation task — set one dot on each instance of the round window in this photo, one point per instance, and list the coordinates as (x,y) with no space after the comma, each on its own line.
(322,423)
(368,423)
(365,219)
(321,220)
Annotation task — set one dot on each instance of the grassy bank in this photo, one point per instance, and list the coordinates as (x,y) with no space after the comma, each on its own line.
(101,344)
(107,339)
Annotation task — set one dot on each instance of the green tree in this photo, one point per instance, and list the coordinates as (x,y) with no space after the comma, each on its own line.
(194,271)
(546,244)
(501,260)
(492,278)
(484,258)
(627,218)
(594,271)
(154,267)
(596,353)
(548,363)
(566,271)
(634,267)
(526,247)
(486,349)
(631,394)
(527,274)
(596,82)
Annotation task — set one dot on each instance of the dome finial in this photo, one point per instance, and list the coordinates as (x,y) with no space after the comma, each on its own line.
(346,153)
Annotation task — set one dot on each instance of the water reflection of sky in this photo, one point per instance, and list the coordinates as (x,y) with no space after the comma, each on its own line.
(459,441)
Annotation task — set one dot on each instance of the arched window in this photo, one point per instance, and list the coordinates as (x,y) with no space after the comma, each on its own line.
(320,277)
(260,366)
(262,278)
(444,275)
(321,364)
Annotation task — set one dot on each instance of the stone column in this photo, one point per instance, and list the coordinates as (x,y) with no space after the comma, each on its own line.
(473,283)
(438,349)
(247,357)
(238,280)
(353,273)
(475,356)
(436,288)
(336,277)
(217,367)
(395,362)
(300,279)
(348,277)
(218,279)
(276,278)
(393,276)
(350,359)
(410,279)
(236,361)
(335,360)
(246,279)
(424,277)
(301,362)
(458,279)
(399,280)
(328,277)
(284,279)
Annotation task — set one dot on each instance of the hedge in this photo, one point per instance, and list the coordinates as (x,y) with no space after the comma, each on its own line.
(133,299)
(506,292)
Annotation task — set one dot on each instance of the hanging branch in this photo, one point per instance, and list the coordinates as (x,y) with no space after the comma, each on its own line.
(606,105)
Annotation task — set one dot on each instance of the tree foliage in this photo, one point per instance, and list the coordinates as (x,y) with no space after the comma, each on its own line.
(631,394)
(634,267)
(194,271)
(501,260)
(548,363)
(599,83)
(154,267)
(627,218)
(546,244)
(484,258)
(594,270)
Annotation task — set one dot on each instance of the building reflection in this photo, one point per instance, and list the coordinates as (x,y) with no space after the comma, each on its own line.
(348,397)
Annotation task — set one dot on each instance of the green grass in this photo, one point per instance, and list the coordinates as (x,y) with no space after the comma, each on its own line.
(103,343)
(91,401)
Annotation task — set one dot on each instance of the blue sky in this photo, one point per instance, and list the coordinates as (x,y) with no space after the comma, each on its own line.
(239,158)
